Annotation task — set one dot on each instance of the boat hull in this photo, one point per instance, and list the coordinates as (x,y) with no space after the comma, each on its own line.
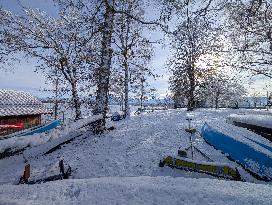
(256,162)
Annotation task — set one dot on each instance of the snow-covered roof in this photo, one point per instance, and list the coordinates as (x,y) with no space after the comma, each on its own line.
(14,103)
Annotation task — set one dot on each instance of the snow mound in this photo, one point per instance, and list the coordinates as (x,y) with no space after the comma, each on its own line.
(20,142)
(137,190)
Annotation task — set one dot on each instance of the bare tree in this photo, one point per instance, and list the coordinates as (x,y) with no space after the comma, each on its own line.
(6,57)
(110,9)
(193,38)
(65,44)
(222,90)
(133,51)
(142,91)
(250,23)
(103,73)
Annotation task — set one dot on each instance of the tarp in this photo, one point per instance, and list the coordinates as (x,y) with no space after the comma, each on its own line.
(20,125)
(255,161)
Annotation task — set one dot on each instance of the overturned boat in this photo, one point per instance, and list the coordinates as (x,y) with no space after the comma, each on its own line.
(260,124)
(255,158)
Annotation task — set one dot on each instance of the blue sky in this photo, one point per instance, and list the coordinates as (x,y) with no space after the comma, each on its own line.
(23,75)
(24,78)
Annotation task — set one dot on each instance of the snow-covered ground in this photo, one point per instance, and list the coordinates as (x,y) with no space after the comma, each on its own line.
(121,166)
(137,190)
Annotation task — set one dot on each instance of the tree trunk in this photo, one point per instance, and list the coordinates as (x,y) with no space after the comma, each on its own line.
(216,103)
(76,100)
(126,88)
(126,49)
(191,99)
(141,102)
(190,105)
(122,102)
(217,100)
(142,94)
(56,98)
(103,73)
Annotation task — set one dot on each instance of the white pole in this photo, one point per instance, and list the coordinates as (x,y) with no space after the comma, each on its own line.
(267,98)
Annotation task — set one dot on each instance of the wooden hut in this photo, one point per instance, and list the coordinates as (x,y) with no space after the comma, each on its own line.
(17,107)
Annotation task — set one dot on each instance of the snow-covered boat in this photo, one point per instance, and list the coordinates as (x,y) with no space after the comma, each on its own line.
(261,124)
(37,129)
(207,166)
(256,161)
(44,128)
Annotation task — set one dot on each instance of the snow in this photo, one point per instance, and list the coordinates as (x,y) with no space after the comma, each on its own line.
(259,120)
(121,166)
(72,131)
(137,190)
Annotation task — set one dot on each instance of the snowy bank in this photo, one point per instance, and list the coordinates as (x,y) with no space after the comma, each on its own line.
(137,190)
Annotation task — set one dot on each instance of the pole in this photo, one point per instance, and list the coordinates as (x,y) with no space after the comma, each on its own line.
(267,100)
(192,147)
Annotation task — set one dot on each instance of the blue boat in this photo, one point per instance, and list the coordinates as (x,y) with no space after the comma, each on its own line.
(44,128)
(261,144)
(116,116)
(256,162)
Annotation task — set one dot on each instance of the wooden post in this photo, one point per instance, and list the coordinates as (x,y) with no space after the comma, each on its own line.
(61,166)
(26,175)
(65,175)
(27,172)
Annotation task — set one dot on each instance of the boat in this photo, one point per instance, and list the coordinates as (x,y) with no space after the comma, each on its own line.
(260,124)
(35,130)
(258,163)
(44,128)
